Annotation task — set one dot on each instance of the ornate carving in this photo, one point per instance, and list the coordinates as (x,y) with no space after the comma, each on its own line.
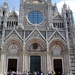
(56,49)
(35,47)
(13,48)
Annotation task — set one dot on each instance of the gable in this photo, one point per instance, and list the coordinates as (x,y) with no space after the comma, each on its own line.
(57,16)
(13,34)
(13,14)
(35,34)
(57,34)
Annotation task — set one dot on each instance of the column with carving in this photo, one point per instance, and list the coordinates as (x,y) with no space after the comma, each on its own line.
(24,52)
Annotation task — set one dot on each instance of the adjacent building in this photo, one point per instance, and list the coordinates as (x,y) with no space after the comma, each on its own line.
(38,39)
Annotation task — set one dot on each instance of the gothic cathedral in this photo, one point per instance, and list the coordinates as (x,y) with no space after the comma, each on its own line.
(38,39)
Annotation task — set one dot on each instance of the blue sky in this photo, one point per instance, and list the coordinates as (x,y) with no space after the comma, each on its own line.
(70,3)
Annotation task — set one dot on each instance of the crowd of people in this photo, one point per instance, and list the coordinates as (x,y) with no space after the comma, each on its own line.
(16,73)
(24,73)
(35,73)
(54,73)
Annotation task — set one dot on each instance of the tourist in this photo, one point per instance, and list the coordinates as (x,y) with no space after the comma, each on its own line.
(54,73)
(10,72)
(67,73)
(24,73)
(50,73)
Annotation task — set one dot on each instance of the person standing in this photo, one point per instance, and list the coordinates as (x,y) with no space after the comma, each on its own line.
(24,73)
(50,73)
(10,72)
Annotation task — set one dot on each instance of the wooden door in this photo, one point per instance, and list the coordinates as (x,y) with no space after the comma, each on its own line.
(58,66)
(12,64)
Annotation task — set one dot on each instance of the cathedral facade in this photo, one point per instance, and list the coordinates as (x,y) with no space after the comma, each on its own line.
(38,39)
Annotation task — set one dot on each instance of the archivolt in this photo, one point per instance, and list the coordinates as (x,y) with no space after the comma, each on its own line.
(31,42)
(59,42)
(13,41)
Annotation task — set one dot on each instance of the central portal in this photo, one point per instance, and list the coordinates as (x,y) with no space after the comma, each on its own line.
(35,63)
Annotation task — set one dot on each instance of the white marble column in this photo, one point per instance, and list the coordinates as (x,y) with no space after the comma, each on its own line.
(26,60)
(23,62)
(3,63)
(66,62)
(49,61)
(43,63)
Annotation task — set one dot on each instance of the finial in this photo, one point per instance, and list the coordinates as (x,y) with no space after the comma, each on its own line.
(68,7)
(55,3)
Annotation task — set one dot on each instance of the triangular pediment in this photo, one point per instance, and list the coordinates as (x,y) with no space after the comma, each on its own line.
(57,16)
(57,34)
(13,14)
(35,34)
(13,34)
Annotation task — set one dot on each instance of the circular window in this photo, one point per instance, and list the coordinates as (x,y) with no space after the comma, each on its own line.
(35,17)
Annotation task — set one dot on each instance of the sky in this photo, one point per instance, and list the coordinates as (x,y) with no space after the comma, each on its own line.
(70,3)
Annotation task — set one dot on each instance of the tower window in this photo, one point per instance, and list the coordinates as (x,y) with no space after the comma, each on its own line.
(3,13)
(1,27)
(66,14)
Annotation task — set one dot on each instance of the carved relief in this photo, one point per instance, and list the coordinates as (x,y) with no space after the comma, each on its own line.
(35,34)
(56,49)
(13,48)
(35,47)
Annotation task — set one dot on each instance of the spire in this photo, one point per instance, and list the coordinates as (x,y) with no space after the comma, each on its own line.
(65,5)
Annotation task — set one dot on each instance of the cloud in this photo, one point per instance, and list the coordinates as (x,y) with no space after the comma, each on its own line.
(17,12)
(70,3)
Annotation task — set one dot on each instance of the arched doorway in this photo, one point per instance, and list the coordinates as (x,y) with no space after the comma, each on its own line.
(59,56)
(36,47)
(13,46)
(12,65)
